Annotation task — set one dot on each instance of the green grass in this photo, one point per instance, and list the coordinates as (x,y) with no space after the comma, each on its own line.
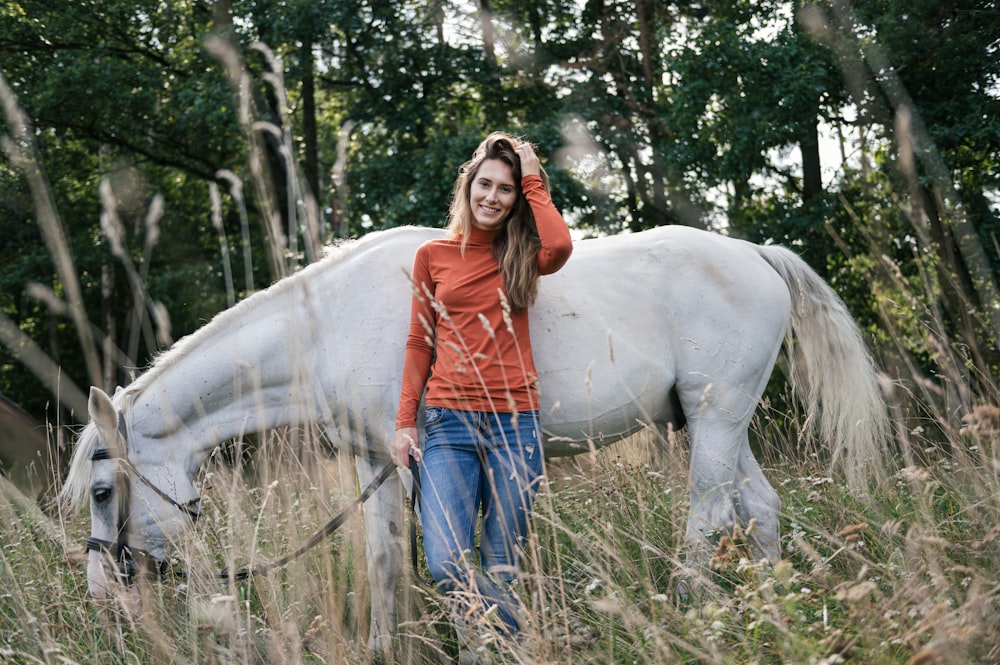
(907,575)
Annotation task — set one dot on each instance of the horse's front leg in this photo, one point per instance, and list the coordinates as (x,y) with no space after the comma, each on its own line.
(384,517)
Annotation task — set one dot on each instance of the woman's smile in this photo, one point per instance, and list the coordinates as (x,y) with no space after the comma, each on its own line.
(493,195)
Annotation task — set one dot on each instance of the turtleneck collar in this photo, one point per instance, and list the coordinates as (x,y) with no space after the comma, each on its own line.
(479,236)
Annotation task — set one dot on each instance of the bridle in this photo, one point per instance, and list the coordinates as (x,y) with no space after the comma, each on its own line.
(131,561)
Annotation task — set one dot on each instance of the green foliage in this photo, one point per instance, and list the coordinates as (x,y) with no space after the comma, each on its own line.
(124,93)
(742,92)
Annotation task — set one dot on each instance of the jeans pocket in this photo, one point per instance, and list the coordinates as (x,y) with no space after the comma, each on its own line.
(433,415)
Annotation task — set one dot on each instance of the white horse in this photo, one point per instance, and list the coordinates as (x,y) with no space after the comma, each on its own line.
(669,326)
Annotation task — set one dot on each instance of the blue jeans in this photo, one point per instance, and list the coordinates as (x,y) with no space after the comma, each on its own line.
(476,461)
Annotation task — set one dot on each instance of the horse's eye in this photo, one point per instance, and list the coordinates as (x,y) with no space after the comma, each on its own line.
(101,494)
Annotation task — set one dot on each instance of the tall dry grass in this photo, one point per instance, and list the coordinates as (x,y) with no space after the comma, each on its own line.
(905,576)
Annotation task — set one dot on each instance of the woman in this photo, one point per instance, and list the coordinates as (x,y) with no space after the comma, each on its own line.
(470,349)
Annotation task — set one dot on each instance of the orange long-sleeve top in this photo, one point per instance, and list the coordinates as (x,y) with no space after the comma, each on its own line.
(462,346)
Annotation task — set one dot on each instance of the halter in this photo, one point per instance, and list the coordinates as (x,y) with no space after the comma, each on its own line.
(130,561)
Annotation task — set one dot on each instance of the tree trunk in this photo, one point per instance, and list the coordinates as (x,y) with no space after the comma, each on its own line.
(315,223)
(812,174)
(489,38)
(959,296)
(309,132)
(109,375)
(646,19)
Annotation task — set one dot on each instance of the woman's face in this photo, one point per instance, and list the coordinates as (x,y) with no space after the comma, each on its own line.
(493,194)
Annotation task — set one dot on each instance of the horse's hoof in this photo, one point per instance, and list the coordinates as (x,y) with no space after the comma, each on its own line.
(468,657)
(682,595)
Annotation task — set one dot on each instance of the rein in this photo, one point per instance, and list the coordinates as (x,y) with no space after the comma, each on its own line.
(126,556)
(328,529)
(414,503)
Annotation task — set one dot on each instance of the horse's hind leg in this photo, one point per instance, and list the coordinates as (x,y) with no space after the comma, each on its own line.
(758,506)
(728,489)
(727,486)
(714,469)
(384,517)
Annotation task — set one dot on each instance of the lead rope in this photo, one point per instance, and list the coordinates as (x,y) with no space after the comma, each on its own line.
(414,540)
(317,537)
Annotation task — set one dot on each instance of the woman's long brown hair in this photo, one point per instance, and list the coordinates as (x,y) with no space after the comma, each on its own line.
(516,248)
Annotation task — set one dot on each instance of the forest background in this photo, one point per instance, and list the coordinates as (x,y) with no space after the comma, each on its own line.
(865,136)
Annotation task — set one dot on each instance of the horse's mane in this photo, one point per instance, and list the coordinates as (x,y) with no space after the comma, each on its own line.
(332,254)
(77,482)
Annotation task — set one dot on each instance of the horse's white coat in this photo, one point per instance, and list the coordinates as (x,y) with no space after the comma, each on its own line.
(667,326)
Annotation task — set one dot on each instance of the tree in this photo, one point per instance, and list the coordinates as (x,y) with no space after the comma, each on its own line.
(929,104)
(353,115)
(119,92)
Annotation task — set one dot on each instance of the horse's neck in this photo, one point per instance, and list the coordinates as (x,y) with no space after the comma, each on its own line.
(197,426)
(254,374)
(330,337)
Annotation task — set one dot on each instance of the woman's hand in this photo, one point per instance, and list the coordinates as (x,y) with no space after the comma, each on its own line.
(529,160)
(403,445)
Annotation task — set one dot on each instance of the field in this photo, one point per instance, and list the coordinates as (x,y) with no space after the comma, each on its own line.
(907,574)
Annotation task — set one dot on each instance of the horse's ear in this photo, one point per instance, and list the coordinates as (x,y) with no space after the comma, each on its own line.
(103,414)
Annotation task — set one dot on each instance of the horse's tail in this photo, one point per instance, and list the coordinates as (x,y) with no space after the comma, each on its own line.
(833,372)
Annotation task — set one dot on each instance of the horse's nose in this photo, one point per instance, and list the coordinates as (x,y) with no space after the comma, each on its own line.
(100,578)
(104,587)
(128,597)
(131,600)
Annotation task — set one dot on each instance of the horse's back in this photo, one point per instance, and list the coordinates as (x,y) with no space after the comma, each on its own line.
(630,325)
(634,323)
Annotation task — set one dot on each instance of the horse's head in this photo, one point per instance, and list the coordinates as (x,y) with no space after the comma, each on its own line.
(141,497)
